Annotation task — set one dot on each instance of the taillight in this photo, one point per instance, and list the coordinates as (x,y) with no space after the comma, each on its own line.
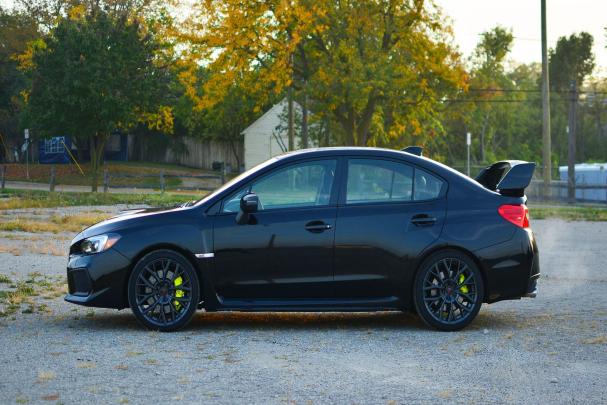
(516,214)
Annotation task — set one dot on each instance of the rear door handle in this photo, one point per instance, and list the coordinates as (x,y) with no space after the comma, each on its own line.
(317,226)
(423,220)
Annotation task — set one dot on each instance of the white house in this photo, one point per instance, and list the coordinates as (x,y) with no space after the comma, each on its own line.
(268,137)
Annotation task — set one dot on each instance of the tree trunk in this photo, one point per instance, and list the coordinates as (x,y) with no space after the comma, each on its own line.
(235,153)
(94,168)
(97,148)
(291,119)
(304,120)
(365,120)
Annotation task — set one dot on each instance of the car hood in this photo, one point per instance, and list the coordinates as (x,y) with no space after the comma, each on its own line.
(126,219)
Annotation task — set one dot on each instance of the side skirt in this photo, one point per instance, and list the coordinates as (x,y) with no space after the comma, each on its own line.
(341,305)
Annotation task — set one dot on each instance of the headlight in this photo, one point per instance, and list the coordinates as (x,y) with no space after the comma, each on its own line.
(99,243)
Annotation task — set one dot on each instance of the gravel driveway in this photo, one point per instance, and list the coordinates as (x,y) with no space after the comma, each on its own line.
(551,349)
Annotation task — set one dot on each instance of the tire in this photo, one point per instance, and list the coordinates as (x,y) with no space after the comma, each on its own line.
(164,291)
(448,290)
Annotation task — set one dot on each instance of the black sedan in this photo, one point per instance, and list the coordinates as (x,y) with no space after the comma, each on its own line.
(333,229)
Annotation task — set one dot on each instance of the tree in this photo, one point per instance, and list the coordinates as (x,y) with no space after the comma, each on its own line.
(571,60)
(92,74)
(377,69)
(16,31)
(487,81)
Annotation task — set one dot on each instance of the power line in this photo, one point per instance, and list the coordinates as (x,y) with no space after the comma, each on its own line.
(490,90)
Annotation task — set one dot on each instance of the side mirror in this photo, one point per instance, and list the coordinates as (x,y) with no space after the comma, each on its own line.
(249,204)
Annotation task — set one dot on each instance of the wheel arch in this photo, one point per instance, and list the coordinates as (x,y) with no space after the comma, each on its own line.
(189,256)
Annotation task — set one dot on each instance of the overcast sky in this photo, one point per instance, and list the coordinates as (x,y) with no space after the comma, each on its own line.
(564,17)
(471,17)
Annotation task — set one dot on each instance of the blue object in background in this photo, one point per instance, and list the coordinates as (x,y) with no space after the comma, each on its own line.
(588,174)
(53,150)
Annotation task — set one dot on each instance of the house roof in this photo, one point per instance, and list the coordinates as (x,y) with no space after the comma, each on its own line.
(270,119)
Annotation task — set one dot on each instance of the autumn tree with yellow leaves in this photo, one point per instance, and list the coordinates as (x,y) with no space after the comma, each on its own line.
(377,69)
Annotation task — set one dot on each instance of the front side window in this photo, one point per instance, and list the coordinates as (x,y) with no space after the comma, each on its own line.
(378,181)
(300,185)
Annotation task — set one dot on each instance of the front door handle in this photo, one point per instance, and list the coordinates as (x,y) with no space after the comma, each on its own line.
(423,220)
(317,226)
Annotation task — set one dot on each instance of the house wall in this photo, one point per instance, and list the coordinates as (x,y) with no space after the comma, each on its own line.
(196,153)
(261,146)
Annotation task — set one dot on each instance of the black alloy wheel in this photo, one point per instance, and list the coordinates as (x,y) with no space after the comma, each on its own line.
(448,290)
(164,291)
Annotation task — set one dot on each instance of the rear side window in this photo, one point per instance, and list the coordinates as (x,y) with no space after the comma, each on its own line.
(378,181)
(427,186)
(371,181)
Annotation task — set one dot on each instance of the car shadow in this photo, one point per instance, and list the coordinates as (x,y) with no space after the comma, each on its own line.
(306,320)
(255,321)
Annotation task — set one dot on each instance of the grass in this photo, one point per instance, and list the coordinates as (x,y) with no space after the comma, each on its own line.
(23,293)
(56,224)
(45,376)
(18,199)
(569,213)
(599,340)
(69,173)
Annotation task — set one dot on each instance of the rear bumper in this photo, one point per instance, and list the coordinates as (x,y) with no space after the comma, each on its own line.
(98,280)
(512,268)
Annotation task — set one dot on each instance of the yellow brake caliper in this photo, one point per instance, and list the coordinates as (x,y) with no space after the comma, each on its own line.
(178,293)
(463,288)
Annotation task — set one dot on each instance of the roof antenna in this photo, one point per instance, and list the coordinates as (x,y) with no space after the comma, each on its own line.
(414,150)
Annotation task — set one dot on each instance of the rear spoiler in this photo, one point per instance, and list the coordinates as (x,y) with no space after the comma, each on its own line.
(508,177)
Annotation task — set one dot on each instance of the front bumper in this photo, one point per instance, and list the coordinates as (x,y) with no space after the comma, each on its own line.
(98,280)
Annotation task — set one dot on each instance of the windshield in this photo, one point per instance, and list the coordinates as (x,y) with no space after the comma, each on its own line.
(236,180)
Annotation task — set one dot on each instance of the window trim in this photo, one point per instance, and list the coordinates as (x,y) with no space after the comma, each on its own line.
(344,183)
(333,194)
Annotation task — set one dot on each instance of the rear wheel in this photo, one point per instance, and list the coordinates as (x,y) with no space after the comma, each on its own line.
(164,291)
(448,290)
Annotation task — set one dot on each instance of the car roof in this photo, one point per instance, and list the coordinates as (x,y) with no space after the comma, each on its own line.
(441,169)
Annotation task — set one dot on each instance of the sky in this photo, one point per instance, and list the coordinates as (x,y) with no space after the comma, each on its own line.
(469,18)
(564,17)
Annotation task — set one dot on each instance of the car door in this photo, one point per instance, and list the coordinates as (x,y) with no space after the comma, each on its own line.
(389,212)
(286,250)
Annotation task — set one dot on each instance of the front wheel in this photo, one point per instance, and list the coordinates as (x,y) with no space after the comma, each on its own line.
(448,290)
(163,291)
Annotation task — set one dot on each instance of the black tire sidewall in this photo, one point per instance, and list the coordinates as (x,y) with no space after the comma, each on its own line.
(418,298)
(187,268)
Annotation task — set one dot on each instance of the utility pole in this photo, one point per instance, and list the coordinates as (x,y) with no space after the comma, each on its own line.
(26,134)
(571,136)
(291,129)
(546,142)
(468,143)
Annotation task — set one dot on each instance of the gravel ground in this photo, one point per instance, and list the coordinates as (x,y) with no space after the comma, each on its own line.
(550,349)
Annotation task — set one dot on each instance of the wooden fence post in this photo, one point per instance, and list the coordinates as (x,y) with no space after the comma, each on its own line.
(223,173)
(106,180)
(162,185)
(3,177)
(52,180)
